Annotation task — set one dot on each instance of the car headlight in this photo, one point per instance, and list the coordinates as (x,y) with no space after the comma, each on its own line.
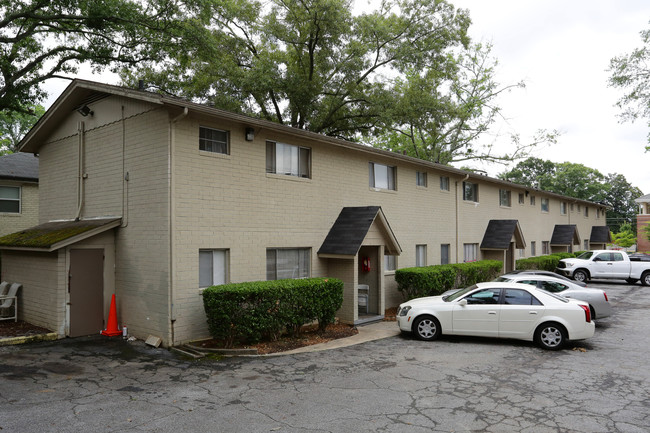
(404,311)
(570,265)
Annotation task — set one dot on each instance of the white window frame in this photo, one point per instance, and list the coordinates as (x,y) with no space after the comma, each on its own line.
(212,144)
(382,176)
(473,187)
(421,178)
(288,159)
(216,263)
(276,258)
(505,198)
(420,255)
(5,197)
(390,263)
(444,183)
(444,253)
(470,252)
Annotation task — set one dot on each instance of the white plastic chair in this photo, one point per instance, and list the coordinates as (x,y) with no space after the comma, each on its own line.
(4,286)
(10,300)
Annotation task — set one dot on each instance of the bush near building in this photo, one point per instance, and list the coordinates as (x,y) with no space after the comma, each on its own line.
(544,263)
(254,311)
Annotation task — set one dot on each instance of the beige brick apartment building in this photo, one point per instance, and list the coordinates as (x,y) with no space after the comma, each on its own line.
(153,198)
(18,192)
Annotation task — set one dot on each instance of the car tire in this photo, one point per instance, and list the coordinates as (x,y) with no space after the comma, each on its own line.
(645,278)
(426,328)
(550,336)
(581,276)
(631,280)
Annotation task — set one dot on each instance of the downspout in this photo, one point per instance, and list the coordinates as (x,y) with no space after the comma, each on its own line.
(172,202)
(457,224)
(80,166)
(125,177)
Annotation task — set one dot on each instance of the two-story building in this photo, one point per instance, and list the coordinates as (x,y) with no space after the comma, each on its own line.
(153,198)
(643,223)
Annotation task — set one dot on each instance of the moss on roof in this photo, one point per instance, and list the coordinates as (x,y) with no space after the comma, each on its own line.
(49,234)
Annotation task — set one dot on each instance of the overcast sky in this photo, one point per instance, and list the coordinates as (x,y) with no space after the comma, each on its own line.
(561,49)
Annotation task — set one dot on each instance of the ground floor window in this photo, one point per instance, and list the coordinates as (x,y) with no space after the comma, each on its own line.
(470,252)
(283,263)
(213,267)
(10,199)
(420,255)
(390,263)
(586,244)
(546,249)
(533,253)
(444,254)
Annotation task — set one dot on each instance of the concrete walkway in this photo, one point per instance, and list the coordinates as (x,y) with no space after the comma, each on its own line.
(370,332)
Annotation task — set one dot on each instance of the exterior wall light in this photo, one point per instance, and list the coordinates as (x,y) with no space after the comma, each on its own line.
(250,134)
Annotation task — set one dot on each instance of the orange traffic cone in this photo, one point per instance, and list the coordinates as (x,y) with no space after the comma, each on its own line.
(111,329)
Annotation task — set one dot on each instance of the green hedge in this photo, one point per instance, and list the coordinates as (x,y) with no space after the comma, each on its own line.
(545,263)
(253,311)
(434,280)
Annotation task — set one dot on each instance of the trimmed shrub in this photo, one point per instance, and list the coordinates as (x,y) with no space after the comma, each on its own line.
(543,263)
(435,280)
(253,311)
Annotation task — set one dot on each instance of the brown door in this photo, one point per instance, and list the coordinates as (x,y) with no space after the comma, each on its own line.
(86,287)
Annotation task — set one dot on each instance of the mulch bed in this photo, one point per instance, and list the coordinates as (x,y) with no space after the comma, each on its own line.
(9,328)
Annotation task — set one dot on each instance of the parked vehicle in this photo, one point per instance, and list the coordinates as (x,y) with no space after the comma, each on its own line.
(499,309)
(605,264)
(547,274)
(596,298)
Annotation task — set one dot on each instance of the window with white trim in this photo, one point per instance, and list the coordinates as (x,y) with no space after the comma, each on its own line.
(9,199)
(504,198)
(381,176)
(390,263)
(213,267)
(288,159)
(421,178)
(470,252)
(444,254)
(470,191)
(284,263)
(213,140)
(420,255)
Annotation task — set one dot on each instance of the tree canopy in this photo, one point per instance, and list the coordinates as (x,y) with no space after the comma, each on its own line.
(404,77)
(15,124)
(631,72)
(44,39)
(579,181)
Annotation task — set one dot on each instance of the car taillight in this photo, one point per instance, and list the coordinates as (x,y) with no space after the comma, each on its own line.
(606,300)
(587,313)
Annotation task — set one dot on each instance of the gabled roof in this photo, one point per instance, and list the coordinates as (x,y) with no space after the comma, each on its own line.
(499,233)
(565,234)
(350,229)
(19,166)
(643,199)
(600,234)
(57,234)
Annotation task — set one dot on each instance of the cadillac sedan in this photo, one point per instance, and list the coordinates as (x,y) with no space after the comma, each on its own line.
(499,309)
(596,298)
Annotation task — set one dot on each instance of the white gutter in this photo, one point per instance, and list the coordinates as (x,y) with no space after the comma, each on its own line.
(80,174)
(457,235)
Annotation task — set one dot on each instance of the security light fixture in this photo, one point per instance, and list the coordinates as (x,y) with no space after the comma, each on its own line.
(250,134)
(85,111)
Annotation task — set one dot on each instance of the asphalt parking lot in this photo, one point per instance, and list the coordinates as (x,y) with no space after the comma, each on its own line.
(396,384)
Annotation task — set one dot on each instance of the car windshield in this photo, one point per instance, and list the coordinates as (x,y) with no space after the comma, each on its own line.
(502,279)
(586,255)
(459,293)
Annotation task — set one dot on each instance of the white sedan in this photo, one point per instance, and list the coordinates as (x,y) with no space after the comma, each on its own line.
(504,310)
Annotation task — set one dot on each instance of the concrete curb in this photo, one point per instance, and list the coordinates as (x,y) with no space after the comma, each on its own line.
(28,339)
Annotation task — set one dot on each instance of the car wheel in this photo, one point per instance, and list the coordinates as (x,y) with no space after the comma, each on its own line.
(426,328)
(550,336)
(645,278)
(631,280)
(580,275)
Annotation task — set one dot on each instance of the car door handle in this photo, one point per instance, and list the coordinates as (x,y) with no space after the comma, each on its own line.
(492,312)
(532,312)
(610,264)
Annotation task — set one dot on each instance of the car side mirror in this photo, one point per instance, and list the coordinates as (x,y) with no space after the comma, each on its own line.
(462,302)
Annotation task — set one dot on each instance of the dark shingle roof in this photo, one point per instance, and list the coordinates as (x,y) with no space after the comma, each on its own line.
(349,230)
(564,234)
(498,234)
(600,234)
(19,166)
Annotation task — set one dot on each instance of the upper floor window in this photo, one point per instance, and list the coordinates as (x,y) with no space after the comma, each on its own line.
(563,208)
(470,191)
(213,140)
(283,263)
(544,204)
(288,159)
(9,199)
(381,176)
(504,198)
(521,198)
(444,183)
(532,200)
(213,267)
(421,178)
(586,211)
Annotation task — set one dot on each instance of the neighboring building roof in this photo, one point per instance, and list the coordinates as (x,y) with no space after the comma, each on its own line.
(19,166)
(600,234)
(499,233)
(565,234)
(350,229)
(57,234)
(643,199)
(82,92)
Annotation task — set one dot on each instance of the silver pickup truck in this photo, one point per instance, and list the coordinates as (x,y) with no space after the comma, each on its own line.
(606,264)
